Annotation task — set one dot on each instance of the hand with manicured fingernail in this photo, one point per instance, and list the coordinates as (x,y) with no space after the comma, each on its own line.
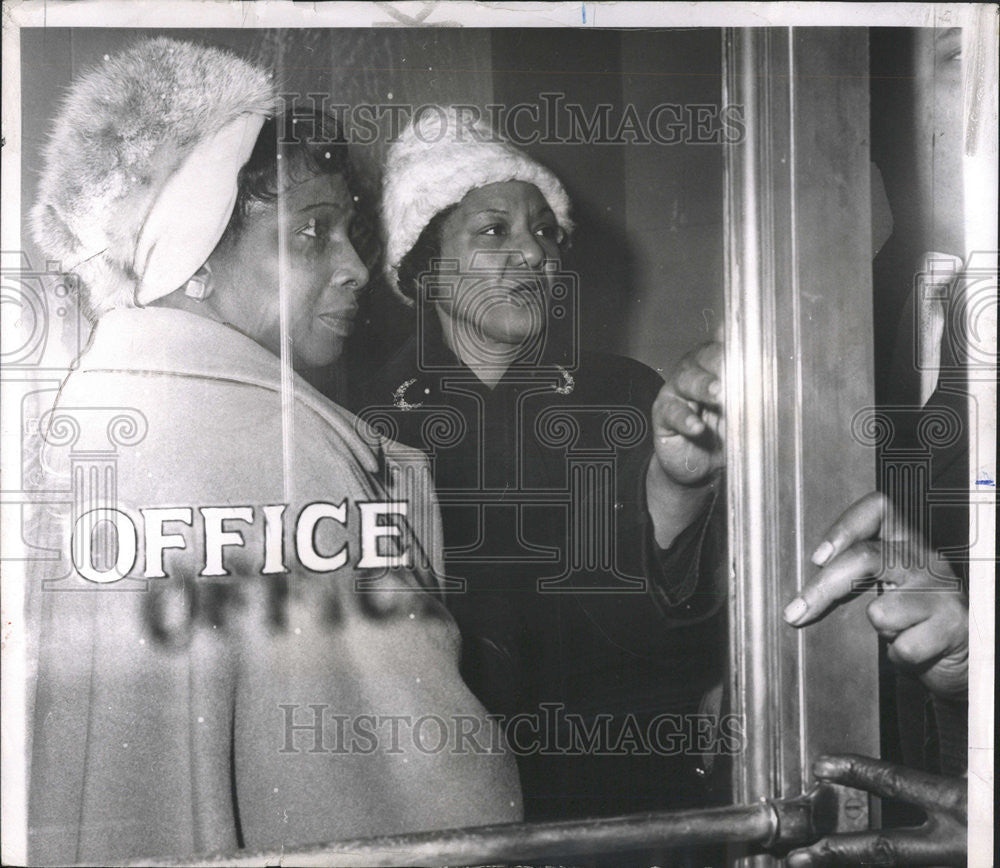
(689,440)
(940,840)
(687,417)
(923,612)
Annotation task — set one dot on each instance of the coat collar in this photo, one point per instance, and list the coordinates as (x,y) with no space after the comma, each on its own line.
(172,342)
(415,374)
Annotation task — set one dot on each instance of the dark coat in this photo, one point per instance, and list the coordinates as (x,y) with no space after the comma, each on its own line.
(568,611)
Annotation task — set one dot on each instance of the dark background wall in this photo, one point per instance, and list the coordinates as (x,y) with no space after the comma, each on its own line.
(587,70)
(916,143)
(649,243)
(648,248)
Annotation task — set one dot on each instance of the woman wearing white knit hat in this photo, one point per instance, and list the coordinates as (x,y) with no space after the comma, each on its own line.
(173,688)
(588,588)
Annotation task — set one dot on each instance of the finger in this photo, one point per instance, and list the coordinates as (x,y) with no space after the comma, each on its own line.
(695,383)
(714,422)
(894,611)
(710,356)
(672,415)
(920,644)
(885,848)
(843,576)
(910,602)
(889,781)
(861,520)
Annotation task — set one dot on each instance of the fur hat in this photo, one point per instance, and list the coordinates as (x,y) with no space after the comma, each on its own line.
(436,161)
(140,172)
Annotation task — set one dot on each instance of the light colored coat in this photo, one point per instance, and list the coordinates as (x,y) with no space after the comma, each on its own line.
(158,721)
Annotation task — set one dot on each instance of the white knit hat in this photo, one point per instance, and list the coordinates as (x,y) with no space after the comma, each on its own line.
(140,172)
(440,156)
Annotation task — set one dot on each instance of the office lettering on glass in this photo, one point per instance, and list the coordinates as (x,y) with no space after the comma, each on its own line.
(375,520)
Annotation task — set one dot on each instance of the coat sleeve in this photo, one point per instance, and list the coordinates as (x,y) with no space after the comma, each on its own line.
(686,581)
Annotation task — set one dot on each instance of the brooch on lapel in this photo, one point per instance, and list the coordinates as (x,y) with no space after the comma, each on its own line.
(568,383)
(399,400)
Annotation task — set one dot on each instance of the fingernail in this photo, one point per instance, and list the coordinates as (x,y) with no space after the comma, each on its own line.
(695,424)
(799,859)
(795,610)
(822,554)
(714,389)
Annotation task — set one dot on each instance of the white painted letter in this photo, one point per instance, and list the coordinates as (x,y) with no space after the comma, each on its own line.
(274,540)
(305,532)
(372,531)
(157,540)
(216,539)
(82,544)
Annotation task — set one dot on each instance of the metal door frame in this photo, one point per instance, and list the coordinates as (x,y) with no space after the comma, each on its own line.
(800,395)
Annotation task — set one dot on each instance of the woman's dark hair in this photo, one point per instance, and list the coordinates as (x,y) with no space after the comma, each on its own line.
(422,256)
(308,144)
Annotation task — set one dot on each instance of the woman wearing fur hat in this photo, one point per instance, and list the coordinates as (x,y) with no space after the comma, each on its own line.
(576,488)
(206,696)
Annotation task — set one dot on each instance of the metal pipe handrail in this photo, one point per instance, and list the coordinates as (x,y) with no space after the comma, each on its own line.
(767,823)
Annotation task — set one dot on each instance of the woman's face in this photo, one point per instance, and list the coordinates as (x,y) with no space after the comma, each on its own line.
(322,272)
(505,240)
